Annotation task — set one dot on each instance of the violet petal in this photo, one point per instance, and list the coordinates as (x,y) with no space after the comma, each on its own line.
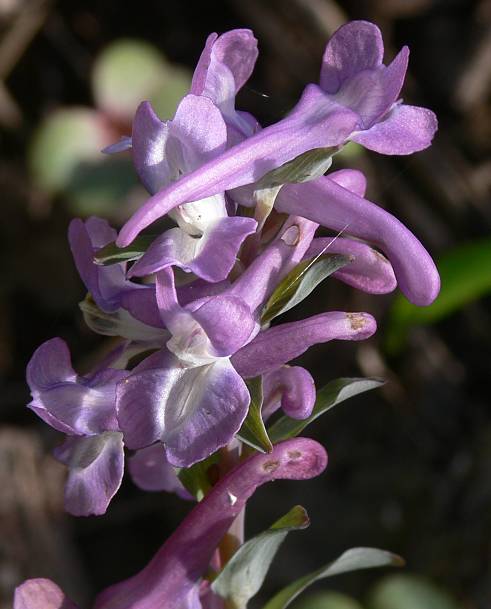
(354,47)
(210,256)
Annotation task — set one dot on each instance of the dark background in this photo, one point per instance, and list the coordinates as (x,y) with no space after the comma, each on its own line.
(410,465)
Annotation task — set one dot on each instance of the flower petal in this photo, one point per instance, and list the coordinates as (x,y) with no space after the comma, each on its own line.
(149,141)
(314,122)
(280,344)
(370,271)
(211,256)
(405,130)
(72,404)
(151,471)
(50,364)
(193,411)
(354,47)
(372,93)
(224,66)
(290,387)
(105,283)
(262,276)
(228,323)
(95,467)
(142,304)
(41,594)
(199,127)
(335,207)
(176,569)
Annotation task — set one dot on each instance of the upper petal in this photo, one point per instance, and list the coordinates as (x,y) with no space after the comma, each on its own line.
(224,66)
(41,594)
(280,344)
(405,129)
(372,93)
(50,364)
(199,127)
(149,141)
(67,402)
(354,47)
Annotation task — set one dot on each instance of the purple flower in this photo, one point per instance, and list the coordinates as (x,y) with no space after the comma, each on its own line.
(354,76)
(327,115)
(333,202)
(369,270)
(188,395)
(83,407)
(191,395)
(173,577)
(278,345)
(207,240)
(106,284)
(291,388)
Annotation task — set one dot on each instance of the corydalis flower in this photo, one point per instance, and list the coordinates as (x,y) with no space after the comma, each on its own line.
(173,578)
(207,239)
(326,116)
(190,395)
(83,407)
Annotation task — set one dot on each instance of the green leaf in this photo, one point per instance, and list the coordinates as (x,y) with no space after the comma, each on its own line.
(197,479)
(300,282)
(351,560)
(409,592)
(327,600)
(253,432)
(465,276)
(112,254)
(244,574)
(307,166)
(329,396)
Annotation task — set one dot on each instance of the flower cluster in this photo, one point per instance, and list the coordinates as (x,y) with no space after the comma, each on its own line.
(193,304)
